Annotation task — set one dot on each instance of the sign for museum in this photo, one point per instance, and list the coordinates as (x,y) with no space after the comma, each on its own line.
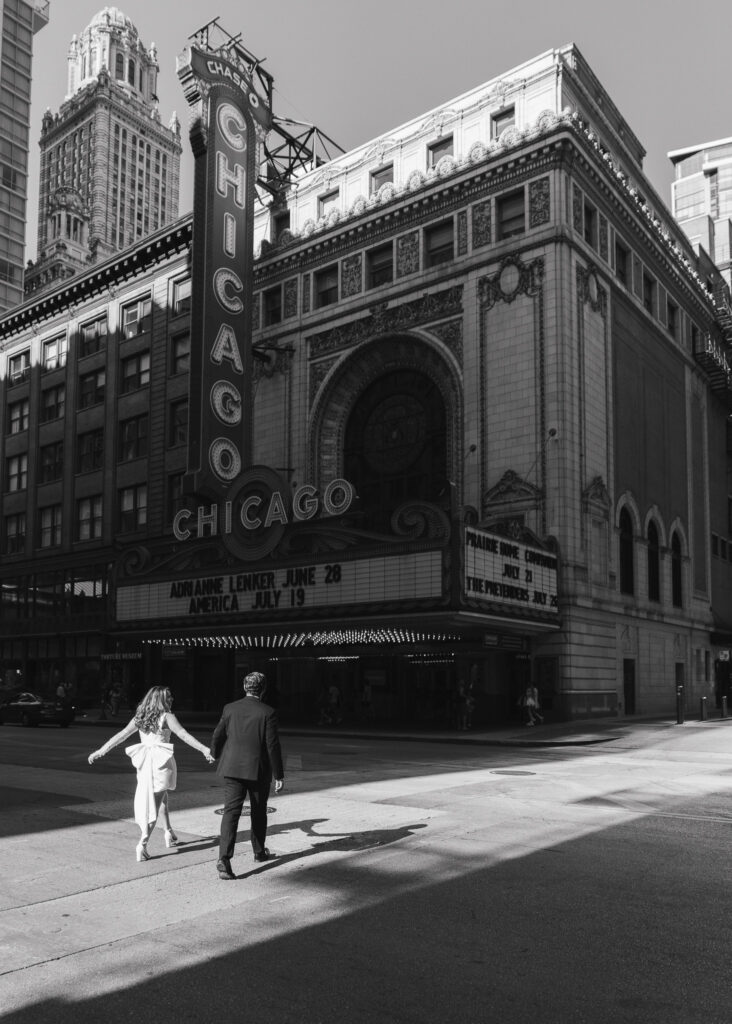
(248,595)
(499,570)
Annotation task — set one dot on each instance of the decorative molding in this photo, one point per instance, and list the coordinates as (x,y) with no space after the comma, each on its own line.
(590,290)
(512,494)
(596,498)
(256,305)
(385,320)
(514,277)
(351,276)
(481,214)
(462,232)
(604,240)
(451,335)
(577,211)
(539,202)
(318,372)
(305,293)
(290,298)
(407,254)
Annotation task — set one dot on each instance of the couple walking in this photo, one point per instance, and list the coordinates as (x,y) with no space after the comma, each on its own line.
(245,742)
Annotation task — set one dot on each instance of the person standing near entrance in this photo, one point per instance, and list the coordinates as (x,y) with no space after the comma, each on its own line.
(531,706)
(246,743)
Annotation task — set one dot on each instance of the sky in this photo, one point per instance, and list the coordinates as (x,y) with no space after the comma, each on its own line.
(357,70)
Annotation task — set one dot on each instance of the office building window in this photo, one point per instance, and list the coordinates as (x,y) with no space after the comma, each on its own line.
(622,263)
(133,508)
(180,352)
(92,388)
(381,177)
(18,416)
(436,150)
(182,297)
(501,121)
(380,265)
(15,534)
(89,518)
(16,472)
(178,423)
(90,451)
(672,318)
(438,243)
(54,353)
(19,368)
(135,372)
(133,438)
(273,306)
(137,317)
(627,570)
(327,201)
(654,564)
(511,214)
(326,286)
(590,225)
(51,462)
(649,293)
(677,596)
(50,527)
(93,336)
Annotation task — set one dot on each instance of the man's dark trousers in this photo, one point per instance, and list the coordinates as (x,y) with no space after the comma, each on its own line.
(235,793)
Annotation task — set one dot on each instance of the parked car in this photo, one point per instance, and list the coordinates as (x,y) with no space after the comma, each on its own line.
(30,709)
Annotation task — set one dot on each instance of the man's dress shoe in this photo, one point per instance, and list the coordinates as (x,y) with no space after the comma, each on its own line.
(224,868)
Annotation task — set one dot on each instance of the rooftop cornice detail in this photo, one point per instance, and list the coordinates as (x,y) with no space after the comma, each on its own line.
(510,140)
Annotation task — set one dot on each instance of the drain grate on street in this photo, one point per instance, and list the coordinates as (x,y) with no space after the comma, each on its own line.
(510,771)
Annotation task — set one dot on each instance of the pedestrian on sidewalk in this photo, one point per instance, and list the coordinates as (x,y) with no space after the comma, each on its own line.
(531,705)
(153,759)
(246,743)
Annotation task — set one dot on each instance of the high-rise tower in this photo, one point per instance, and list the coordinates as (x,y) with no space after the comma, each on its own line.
(19,21)
(109,167)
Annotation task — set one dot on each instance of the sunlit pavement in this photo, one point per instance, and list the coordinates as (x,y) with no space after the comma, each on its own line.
(420,880)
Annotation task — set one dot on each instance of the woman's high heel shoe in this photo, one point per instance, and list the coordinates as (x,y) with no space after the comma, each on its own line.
(141,851)
(171,839)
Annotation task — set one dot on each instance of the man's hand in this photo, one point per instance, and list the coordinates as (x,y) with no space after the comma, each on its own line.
(279,783)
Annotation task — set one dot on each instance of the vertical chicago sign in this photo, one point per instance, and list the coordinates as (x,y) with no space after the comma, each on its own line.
(229,121)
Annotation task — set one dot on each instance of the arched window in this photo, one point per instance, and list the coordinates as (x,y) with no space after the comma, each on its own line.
(119,67)
(676,579)
(396,445)
(654,564)
(627,574)
(131,73)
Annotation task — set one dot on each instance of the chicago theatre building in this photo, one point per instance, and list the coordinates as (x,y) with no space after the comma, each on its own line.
(450,407)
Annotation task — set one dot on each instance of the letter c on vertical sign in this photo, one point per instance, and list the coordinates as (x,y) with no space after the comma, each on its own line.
(232,126)
(223,277)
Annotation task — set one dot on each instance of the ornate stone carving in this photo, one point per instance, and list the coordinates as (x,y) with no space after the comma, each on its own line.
(382,320)
(481,214)
(290,301)
(539,202)
(451,335)
(407,258)
(462,232)
(421,520)
(513,278)
(596,497)
(255,311)
(590,291)
(306,293)
(351,277)
(603,238)
(577,209)
(318,372)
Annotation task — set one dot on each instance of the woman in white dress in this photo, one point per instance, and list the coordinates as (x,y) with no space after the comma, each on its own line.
(153,758)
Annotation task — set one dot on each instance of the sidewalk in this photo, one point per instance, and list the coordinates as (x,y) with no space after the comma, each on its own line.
(580,732)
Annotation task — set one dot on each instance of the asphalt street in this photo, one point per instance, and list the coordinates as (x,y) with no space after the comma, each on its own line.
(415,881)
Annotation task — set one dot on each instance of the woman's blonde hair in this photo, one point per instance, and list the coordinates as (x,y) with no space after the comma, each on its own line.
(156,701)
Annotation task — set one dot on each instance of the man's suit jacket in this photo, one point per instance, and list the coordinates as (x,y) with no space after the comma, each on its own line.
(246,741)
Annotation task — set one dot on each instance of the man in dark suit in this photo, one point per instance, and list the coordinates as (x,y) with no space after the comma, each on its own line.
(246,743)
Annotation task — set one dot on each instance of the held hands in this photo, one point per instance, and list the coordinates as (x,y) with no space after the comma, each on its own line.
(95,756)
(279,783)
(209,756)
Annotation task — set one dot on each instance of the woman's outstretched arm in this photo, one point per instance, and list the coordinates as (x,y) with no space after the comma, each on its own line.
(175,726)
(118,738)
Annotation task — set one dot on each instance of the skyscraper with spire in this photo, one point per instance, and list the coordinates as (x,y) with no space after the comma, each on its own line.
(110,168)
(19,22)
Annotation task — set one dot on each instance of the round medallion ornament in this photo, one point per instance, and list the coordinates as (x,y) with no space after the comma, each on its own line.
(394,433)
(509,280)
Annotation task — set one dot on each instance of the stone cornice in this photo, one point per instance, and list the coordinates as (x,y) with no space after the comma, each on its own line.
(154,249)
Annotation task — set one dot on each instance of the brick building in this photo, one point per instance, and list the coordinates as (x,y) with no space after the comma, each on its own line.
(485,440)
